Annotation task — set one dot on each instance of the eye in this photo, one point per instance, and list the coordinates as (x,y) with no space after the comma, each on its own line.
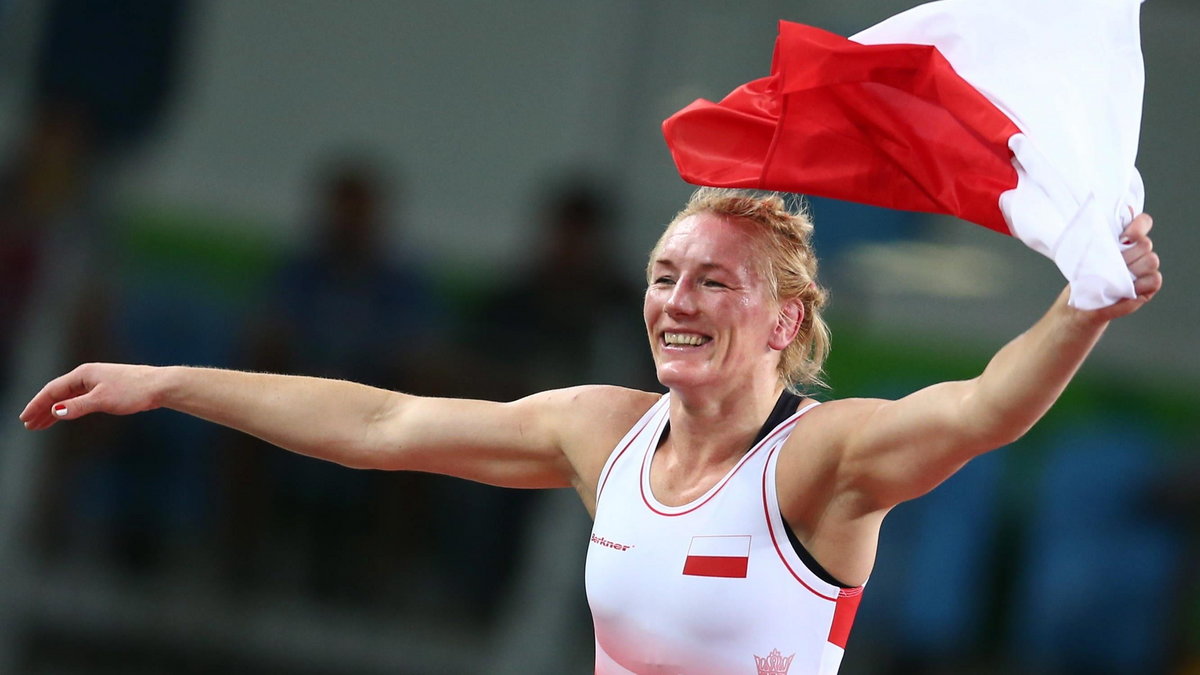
(713,283)
(664,281)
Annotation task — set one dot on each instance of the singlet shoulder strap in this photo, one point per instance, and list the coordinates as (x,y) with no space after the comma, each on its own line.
(657,412)
(785,407)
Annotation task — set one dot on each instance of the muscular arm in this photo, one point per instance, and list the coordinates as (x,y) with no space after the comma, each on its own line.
(526,443)
(898,450)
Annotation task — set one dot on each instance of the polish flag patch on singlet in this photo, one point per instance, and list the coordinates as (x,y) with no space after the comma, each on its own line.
(718,556)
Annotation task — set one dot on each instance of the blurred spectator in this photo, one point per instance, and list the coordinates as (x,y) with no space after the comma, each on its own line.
(35,185)
(547,328)
(103,75)
(112,64)
(104,72)
(548,322)
(344,308)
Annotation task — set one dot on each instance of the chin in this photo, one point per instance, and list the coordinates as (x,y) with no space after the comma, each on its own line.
(679,378)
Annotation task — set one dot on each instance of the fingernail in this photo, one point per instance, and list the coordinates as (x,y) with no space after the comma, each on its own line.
(1126,241)
(60,409)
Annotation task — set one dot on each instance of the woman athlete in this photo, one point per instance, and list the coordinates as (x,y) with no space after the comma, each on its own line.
(736,521)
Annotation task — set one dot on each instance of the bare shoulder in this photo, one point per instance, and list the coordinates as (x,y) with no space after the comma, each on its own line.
(591,420)
(814,460)
(592,414)
(832,424)
(592,404)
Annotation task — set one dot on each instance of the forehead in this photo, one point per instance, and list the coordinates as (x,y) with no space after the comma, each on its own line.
(707,238)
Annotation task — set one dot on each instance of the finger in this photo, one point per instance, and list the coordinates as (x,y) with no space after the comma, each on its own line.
(69,409)
(1147,285)
(39,420)
(1138,249)
(1137,229)
(1147,264)
(39,413)
(42,412)
(64,386)
(74,408)
(1126,306)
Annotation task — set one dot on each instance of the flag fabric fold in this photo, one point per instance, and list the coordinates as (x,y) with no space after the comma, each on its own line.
(1017,115)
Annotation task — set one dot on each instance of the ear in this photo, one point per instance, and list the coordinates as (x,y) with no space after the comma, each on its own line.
(791,315)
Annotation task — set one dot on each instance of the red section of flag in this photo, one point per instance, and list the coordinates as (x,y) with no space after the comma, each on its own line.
(733,567)
(888,125)
(843,615)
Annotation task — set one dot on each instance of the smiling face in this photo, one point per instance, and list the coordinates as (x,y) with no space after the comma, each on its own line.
(710,314)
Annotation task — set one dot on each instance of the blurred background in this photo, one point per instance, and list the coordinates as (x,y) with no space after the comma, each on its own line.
(456,198)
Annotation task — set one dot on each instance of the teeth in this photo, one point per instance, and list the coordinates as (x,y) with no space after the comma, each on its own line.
(684,339)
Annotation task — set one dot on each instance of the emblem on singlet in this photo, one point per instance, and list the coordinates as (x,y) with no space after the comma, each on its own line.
(720,556)
(774,664)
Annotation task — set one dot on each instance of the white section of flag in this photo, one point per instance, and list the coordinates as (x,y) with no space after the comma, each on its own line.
(1070,74)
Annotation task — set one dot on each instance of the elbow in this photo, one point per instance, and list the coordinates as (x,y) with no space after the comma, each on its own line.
(356,456)
(349,453)
(997,433)
(378,445)
(989,435)
(987,443)
(996,429)
(992,426)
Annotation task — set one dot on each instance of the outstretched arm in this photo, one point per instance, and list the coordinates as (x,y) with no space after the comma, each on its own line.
(898,450)
(518,444)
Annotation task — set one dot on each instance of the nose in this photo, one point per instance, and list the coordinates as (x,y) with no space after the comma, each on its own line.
(681,301)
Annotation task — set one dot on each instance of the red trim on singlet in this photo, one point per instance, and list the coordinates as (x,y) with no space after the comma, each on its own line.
(643,476)
(775,539)
(843,615)
(639,427)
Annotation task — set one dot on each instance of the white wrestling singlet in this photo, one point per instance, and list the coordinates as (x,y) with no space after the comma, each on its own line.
(713,587)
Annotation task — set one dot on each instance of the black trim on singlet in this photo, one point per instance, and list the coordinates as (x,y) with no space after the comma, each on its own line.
(810,561)
(785,407)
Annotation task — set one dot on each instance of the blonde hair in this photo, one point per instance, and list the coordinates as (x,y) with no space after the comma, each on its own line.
(783,247)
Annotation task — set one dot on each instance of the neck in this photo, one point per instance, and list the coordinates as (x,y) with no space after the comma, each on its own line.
(707,430)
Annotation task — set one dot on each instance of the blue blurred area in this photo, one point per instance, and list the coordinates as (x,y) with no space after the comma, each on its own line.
(845,225)
(1097,582)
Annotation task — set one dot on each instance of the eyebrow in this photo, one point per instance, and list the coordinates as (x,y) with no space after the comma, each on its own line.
(667,262)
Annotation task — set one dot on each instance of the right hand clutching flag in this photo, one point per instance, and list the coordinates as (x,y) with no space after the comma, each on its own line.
(1143,265)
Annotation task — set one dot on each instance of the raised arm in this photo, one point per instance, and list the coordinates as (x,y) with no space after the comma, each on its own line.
(898,450)
(533,442)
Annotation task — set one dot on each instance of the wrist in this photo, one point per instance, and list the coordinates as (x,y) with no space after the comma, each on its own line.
(1078,325)
(165,384)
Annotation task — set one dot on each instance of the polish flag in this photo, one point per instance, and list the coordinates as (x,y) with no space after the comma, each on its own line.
(719,556)
(1019,115)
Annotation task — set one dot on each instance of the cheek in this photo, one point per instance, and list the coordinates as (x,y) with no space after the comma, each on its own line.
(755,320)
(747,311)
(651,308)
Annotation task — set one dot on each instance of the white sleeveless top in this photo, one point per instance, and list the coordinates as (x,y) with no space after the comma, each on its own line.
(713,587)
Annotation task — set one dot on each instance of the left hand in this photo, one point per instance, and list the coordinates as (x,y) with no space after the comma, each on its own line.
(1143,265)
